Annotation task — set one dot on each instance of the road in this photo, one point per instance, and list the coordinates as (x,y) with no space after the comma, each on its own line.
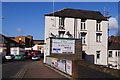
(11,69)
(28,69)
(37,69)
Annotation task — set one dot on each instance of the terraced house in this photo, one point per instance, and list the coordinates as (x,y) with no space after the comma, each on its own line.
(90,26)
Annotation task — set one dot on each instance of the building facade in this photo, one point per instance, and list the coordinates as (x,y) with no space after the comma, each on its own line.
(24,41)
(38,45)
(114,59)
(114,52)
(5,44)
(90,26)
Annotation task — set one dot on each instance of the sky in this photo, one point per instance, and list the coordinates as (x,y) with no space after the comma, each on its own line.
(27,18)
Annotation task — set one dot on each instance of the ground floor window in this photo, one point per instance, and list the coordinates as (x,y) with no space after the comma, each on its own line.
(98,54)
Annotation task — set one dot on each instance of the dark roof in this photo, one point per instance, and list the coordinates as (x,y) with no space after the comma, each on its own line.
(114,46)
(39,42)
(4,40)
(75,13)
(114,38)
(11,37)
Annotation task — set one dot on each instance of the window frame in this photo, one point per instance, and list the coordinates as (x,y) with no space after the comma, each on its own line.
(98,26)
(110,54)
(83,38)
(61,21)
(98,38)
(98,54)
(116,53)
(83,25)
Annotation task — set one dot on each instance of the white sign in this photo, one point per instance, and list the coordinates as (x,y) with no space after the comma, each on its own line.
(63,46)
(61,65)
(69,67)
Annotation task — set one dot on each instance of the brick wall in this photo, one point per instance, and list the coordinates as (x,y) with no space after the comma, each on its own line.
(82,69)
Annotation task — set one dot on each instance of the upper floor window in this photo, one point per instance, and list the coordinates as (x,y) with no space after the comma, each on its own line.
(61,21)
(98,26)
(83,38)
(119,53)
(83,27)
(116,53)
(110,54)
(98,37)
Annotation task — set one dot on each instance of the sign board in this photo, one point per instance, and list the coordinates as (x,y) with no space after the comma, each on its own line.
(69,67)
(54,62)
(61,65)
(63,46)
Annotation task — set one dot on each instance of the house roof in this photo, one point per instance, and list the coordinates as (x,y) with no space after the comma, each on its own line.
(39,42)
(4,39)
(114,38)
(75,13)
(114,46)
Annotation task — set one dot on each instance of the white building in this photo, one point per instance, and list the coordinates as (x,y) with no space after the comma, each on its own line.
(114,55)
(38,47)
(90,26)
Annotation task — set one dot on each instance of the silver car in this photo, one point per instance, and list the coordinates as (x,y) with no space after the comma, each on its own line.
(34,58)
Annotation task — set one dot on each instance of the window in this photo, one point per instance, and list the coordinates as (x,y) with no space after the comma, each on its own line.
(61,34)
(83,39)
(98,54)
(110,54)
(61,22)
(119,54)
(116,53)
(83,27)
(98,37)
(83,36)
(98,27)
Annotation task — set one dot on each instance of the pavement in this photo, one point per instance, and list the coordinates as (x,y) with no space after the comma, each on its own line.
(38,69)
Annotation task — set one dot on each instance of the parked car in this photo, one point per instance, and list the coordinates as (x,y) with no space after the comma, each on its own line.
(19,57)
(9,57)
(36,57)
(26,56)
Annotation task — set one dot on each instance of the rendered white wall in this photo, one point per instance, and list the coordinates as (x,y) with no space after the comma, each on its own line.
(91,45)
(69,25)
(51,26)
(114,60)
